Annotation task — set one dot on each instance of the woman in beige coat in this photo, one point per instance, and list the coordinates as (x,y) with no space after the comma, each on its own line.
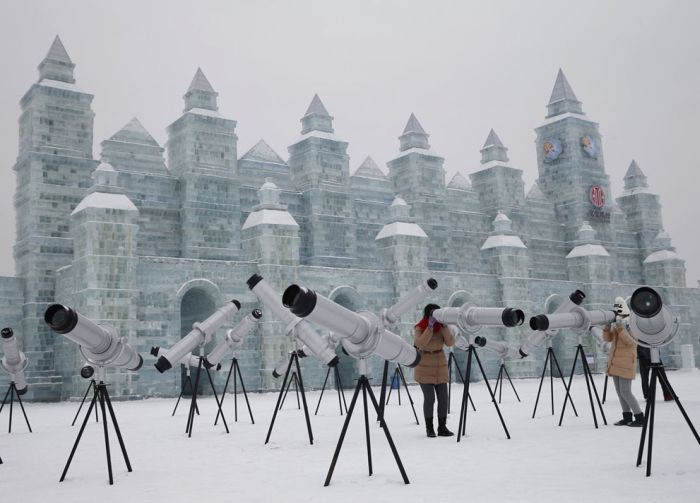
(622,365)
(431,372)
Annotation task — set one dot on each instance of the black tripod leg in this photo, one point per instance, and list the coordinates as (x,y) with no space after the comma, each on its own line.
(81,403)
(551,380)
(323,388)
(588,386)
(554,359)
(289,383)
(568,387)
(279,400)
(449,381)
(193,403)
(652,390)
(80,434)
(303,399)
(605,387)
(116,429)
(382,394)
(366,385)
(12,401)
(21,406)
(645,426)
(587,369)
(511,383)
(537,400)
(664,380)
(245,395)
(391,388)
(459,371)
(106,431)
(493,398)
(465,398)
(223,393)
(348,416)
(410,399)
(339,388)
(235,393)
(296,388)
(216,397)
(4,400)
(369,445)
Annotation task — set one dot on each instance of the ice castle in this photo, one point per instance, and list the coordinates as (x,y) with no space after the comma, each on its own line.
(152,243)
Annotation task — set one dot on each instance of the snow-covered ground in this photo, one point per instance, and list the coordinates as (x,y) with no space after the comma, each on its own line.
(542,462)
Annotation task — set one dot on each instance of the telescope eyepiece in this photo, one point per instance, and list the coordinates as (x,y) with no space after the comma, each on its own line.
(512,317)
(646,302)
(300,301)
(539,322)
(480,341)
(432,283)
(577,297)
(7,333)
(61,319)
(254,280)
(236,303)
(154,350)
(257,314)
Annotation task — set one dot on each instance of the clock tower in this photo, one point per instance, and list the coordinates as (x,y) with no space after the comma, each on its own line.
(570,163)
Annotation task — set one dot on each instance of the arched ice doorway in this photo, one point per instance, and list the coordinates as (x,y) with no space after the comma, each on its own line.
(197,304)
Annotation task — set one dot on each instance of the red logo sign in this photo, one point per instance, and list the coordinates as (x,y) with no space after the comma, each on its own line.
(597,196)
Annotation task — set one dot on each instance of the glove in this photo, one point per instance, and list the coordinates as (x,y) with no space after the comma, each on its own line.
(431,322)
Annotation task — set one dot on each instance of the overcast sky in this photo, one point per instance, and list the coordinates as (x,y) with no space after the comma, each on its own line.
(461,67)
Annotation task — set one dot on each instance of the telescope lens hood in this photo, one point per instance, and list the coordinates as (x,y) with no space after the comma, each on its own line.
(139,365)
(432,283)
(417,360)
(60,318)
(480,341)
(162,364)
(21,391)
(275,374)
(577,297)
(87,372)
(646,302)
(7,333)
(334,361)
(512,317)
(236,303)
(539,322)
(254,280)
(299,300)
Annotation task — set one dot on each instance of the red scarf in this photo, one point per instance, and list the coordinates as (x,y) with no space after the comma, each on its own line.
(423,324)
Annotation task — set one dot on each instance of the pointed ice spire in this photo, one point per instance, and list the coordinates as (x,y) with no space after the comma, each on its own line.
(635,177)
(413,136)
(587,245)
(663,251)
(535,192)
(459,182)
(200,94)
(493,149)
(502,235)
(105,193)
(316,117)
(57,65)
(134,132)
(400,222)
(369,169)
(105,179)
(563,98)
(270,211)
(262,152)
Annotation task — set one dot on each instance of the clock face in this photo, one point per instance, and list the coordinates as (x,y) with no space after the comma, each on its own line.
(589,147)
(552,149)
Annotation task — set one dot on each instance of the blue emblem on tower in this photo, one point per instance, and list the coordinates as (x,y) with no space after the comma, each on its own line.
(589,147)
(552,149)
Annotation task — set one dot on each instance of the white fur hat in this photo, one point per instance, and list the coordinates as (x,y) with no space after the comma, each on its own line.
(620,307)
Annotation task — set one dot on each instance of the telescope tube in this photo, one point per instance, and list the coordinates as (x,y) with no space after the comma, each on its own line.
(408,301)
(233,338)
(14,362)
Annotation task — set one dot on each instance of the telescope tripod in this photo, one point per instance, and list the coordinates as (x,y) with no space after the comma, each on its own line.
(499,382)
(292,380)
(657,375)
(188,381)
(363,384)
(551,360)
(465,396)
(399,377)
(589,384)
(338,387)
(91,386)
(293,360)
(235,369)
(12,393)
(193,402)
(450,360)
(100,393)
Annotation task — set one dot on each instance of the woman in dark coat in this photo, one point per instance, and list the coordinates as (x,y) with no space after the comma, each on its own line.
(431,372)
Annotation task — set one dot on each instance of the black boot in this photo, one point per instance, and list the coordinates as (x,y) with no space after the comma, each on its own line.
(442,428)
(638,420)
(626,419)
(429,430)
